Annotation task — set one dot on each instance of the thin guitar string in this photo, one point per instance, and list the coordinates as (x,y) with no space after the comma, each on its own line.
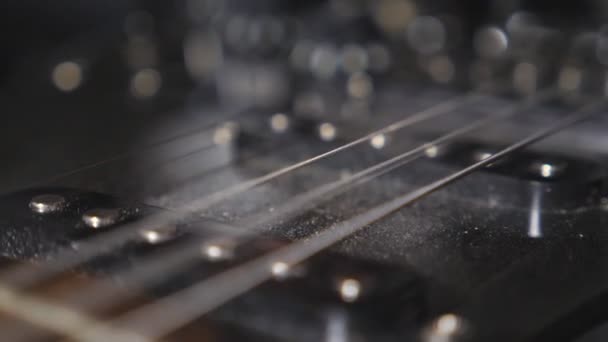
(18,303)
(161,264)
(185,305)
(210,225)
(99,335)
(90,55)
(209,126)
(429,113)
(60,327)
(263,149)
(437,141)
(93,246)
(260,150)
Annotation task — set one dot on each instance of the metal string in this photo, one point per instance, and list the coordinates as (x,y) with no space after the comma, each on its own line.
(67,258)
(123,155)
(101,292)
(178,258)
(207,295)
(513,148)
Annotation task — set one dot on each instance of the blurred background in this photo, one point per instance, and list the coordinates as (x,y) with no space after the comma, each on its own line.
(83,81)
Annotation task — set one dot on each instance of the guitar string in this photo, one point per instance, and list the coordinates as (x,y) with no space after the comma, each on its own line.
(89,55)
(38,312)
(185,305)
(538,138)
(209,126)
(387,163)
(210,226)
(57,318)
(262,148)
(62,328)
(434,111)
(101,292)
(93,246)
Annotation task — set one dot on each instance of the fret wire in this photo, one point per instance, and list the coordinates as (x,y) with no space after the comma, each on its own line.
(94,246)
(101,292)
(202,297)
